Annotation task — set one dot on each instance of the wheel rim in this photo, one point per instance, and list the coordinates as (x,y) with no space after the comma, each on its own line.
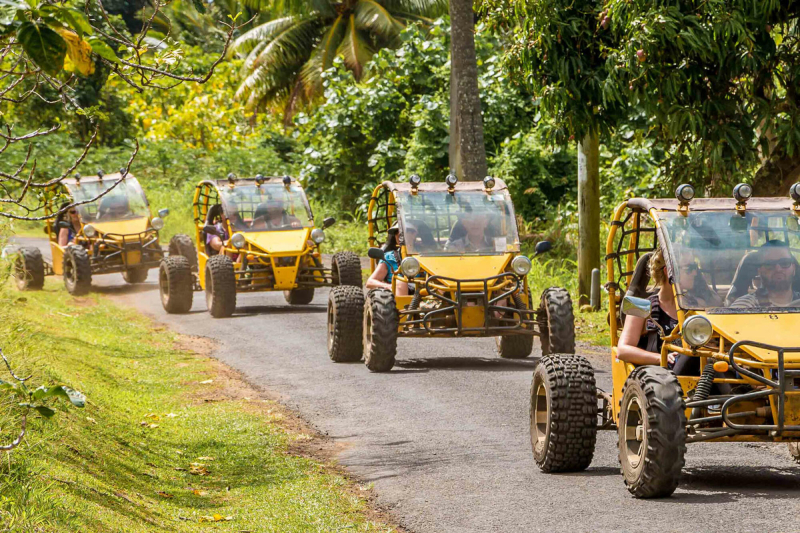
(331,321)
(540,418)
(634,433)
(163,283)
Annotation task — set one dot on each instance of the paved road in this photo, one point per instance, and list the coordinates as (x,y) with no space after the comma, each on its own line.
(444,436)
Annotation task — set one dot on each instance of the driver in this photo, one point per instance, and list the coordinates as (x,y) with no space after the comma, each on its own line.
(272,215)
(777,270)
(115,206)
(475,224)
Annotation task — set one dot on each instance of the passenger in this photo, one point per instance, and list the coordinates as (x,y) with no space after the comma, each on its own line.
(217,237)
(640,342)
(381,278)
(475,240)
(777,269)
(67,235)
(696,292)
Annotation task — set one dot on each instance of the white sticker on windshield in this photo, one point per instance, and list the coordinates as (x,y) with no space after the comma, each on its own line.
(499,244)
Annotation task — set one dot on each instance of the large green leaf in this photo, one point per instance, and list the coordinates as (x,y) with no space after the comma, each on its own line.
(44,46)
(199,5)
(44,411)
(76,398)
(75,20)
(100,48)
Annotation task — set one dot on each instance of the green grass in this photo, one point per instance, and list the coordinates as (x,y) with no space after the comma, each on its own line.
(105,468)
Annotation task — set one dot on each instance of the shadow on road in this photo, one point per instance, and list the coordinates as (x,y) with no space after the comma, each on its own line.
(737,482)
(125,288)
(252,310)
(468,363)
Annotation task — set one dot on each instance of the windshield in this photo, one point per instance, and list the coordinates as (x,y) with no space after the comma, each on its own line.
(266,208)
(471,222)
(724,259)
(123,202)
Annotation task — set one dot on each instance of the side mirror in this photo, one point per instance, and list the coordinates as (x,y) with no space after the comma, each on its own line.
(328,222)
(63,224)
(163,212)
(542,247)
(638,307)
(375,253)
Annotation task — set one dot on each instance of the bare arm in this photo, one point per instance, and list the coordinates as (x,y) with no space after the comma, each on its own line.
(63,237)
(375,281)
(627,349)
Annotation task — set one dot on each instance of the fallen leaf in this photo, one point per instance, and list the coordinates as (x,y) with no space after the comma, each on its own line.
(170,415)
(198,469)
(198,492)
(164,494)
(152,416)
(205,458)
(215,518)
(179,469)
(206,382)
(92,420)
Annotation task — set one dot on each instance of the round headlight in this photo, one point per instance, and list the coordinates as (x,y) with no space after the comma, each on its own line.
(157,223)
(317,235)
(488,182)
(238,240)
(410,267)
(742,192)
(89,231)
(451,180)
(697,330)
(685,192)
(521,265)
(794,192)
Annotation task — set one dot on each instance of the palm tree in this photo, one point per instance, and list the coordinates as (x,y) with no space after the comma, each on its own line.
(284,58)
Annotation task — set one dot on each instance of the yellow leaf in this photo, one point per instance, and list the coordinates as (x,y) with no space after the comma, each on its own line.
(164,494)
(205,458)
(198,492)
(153,416)
(79,53)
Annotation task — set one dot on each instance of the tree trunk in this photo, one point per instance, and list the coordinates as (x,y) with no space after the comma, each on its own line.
(588,213)
(467,149)
(776,175)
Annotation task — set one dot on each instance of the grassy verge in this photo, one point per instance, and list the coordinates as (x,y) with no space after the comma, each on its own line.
(167,437)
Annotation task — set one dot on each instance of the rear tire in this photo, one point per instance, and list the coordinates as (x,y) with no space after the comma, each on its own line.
(345,323)
(652,432)
(556,322)
(514,346)
(299,296)
(380,330)
(220,286)
(29,269)
(175,284)
(181,244)
(77,270)
(346,268)
(563,413)
(135,275)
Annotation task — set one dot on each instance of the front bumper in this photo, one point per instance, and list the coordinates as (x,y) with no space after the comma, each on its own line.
(118,253)
(776,391)
(464,302)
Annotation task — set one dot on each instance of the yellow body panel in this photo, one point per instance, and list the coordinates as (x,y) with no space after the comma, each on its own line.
(465,266)
(57,253)
(782,329)
(289,242)
(472,316)
(134,226)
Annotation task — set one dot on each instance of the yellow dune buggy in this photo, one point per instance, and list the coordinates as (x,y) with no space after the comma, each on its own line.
(114,233)
(732,266)
(458,254)
(267,242)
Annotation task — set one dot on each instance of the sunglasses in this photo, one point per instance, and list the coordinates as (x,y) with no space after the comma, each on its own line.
(783,263)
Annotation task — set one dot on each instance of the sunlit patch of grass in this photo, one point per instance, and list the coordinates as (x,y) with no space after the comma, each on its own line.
(124,463)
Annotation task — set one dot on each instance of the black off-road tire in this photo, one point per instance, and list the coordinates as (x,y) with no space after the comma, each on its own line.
(220,286)
(299,296)
(345,323)
(514,346)
(135,275)
(29,269)
(652,466)
(346,269)
(175,284)
(556,322)
(794,451)
(563,413)
(181,244)
(77,270)
(380,330)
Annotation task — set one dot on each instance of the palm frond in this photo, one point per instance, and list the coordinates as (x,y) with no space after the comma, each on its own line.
(322,57)
(372,16)
(426,8)
(355,48)
(263,32)
(292,7)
